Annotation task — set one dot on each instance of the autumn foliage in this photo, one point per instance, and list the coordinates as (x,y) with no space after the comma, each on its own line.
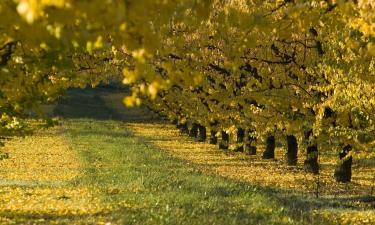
(253,70)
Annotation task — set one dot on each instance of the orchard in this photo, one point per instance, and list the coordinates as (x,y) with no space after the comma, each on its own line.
(245,75)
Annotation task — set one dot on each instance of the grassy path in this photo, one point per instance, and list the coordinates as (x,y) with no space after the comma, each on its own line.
(96,169)
(91,170)
(295,189)
(147,186)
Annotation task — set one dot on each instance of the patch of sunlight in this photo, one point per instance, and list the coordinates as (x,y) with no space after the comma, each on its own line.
(39,179)
(43,156)
(255,170)
(272,174)
(49,200)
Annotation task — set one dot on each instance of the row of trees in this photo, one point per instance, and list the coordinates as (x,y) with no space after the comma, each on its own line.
(261,70)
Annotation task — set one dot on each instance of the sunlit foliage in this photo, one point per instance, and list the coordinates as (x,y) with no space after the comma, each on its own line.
(280,67)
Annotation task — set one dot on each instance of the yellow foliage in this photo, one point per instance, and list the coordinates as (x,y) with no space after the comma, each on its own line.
(255,170)
(33,9)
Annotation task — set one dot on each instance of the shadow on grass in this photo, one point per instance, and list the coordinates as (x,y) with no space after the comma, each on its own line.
(51,218)
(88,104)
(84,104)
(172,179)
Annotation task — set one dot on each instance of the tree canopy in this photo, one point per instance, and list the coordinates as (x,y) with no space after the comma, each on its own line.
(274,67)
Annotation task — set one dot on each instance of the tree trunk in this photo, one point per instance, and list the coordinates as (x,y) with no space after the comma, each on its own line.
(224,142)
(240,140)
(251,150)
(213,138)
(183,128)
(201,133)
(343,172)
(240,135)
(311,164)
(248,147)
(291,154)
(239,149)
(194,131)
(269,153)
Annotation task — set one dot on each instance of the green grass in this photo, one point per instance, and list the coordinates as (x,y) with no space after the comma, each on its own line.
(107,174)
(161,189)
(147,186)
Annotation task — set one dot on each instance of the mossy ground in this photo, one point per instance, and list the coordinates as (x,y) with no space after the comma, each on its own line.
(106,164)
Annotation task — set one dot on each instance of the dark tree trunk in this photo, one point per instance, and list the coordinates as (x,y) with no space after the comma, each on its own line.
(213,138)
(251,150)
(194,131)
(311,164)
(224,142)
(248,147)
(240,135)
(239,149)
(201,133)
(343,172)
(240,140)
(291,153)
(269,153)
(183,128)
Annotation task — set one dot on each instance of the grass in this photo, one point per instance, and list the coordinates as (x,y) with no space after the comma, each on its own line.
(270,173)
(148,186)
(336,203)
(96,169)
(38,182)
(91,170)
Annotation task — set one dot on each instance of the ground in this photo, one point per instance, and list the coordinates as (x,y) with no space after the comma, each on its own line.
(105,164)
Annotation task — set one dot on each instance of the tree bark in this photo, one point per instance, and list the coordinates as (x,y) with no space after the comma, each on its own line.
(213,138)
(194,131)
(343,172)
(224,142)
(183,128)
(240,135)
(311,164)
(248,147)
(269,153)
(291,154)
(201,133)
(240,139)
